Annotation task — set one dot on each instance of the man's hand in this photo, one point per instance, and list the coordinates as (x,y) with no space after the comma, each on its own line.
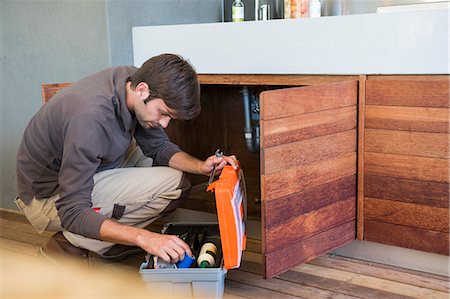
(168,247)
(185,162)
(208,165)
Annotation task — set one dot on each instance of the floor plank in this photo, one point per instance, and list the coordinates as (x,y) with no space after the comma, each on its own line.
(282,286)
(19,247)
(419,279)
(249,291)
(341,287)
(370,282)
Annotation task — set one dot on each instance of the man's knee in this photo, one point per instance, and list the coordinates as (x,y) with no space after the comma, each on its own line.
(185,187)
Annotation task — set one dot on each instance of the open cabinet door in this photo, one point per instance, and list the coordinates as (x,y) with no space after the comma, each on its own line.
(308,172)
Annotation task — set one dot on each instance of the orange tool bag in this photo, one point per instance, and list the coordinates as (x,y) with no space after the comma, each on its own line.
(231,204)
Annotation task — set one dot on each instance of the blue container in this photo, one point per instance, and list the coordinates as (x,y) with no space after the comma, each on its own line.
(186,262)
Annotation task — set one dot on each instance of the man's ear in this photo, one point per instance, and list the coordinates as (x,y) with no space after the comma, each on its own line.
(142,89)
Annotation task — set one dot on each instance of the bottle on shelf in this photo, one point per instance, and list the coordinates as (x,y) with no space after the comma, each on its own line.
(237,11)
(264,12)
(287,9)
(299,9)
(314,8)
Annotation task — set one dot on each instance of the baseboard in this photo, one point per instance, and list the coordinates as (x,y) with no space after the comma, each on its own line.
(397,256)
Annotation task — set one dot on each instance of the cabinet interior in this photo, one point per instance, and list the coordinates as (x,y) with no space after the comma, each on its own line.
(220,125)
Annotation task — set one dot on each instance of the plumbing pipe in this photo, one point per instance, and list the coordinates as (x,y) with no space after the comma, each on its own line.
(251,137)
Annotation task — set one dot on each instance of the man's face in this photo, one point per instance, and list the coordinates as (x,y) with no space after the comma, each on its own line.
(154,114)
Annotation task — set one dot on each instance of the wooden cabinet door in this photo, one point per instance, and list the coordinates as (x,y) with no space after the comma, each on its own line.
(308,172)
(406,162)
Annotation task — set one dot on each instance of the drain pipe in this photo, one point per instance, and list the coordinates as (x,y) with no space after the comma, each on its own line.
(251,134)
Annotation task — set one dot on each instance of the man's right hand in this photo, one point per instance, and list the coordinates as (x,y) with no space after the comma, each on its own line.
(168,247)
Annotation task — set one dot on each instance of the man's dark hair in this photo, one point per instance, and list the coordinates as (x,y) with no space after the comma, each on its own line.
(172,79)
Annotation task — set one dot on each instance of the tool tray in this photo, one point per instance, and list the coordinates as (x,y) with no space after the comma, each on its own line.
(228,235)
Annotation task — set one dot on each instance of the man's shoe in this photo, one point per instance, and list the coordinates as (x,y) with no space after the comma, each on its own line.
(119,252)
(59,248)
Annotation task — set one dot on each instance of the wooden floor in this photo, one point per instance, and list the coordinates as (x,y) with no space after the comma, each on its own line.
(325,277)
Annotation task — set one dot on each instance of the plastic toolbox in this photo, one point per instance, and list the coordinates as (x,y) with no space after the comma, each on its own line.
(228,235)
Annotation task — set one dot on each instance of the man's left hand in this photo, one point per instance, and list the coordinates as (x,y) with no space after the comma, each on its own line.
(208,165)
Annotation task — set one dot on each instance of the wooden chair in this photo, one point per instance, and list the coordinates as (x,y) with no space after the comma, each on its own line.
(49,90)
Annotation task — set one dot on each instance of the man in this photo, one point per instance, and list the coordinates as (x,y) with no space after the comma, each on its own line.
(92,164)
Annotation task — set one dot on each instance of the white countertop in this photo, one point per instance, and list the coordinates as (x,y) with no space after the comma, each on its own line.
(392,43)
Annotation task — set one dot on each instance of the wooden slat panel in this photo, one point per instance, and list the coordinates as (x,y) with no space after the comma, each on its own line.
(308,151)
(406,160)
(286,80)
(408,93)
(302,127)
(407,143)
(310,223)
(408,118)
(310,248)
(294,180)
(285,208)
(410,77)
(408,167)
(411,191)
(420,216)
(361,150)
(49,90)
(303,150)
(405,236)
(285,102)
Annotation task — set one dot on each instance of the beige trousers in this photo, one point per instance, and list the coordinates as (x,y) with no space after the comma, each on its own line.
(141,193)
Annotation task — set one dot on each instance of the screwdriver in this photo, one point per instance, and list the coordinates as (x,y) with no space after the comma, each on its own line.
(218,153)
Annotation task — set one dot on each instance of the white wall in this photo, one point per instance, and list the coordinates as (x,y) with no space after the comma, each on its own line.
(49,41)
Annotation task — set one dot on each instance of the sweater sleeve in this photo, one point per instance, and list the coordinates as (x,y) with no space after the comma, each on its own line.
(155,144)
(84,139)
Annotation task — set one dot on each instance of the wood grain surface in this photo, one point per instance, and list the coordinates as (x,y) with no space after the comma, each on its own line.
(308,166)
(280,184)
(291,206)
(407,143)
(408,93)
(419,119)
(295,154)
(429,193)
(49,90)
(258,79)
(408,167)
(360,157)
(306,249)
(285,102)
(408,214)
(305,126)
(406,162)
(311,223)
(407,237)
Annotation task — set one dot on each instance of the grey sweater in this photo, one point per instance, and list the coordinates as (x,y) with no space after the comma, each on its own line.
(83,129)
